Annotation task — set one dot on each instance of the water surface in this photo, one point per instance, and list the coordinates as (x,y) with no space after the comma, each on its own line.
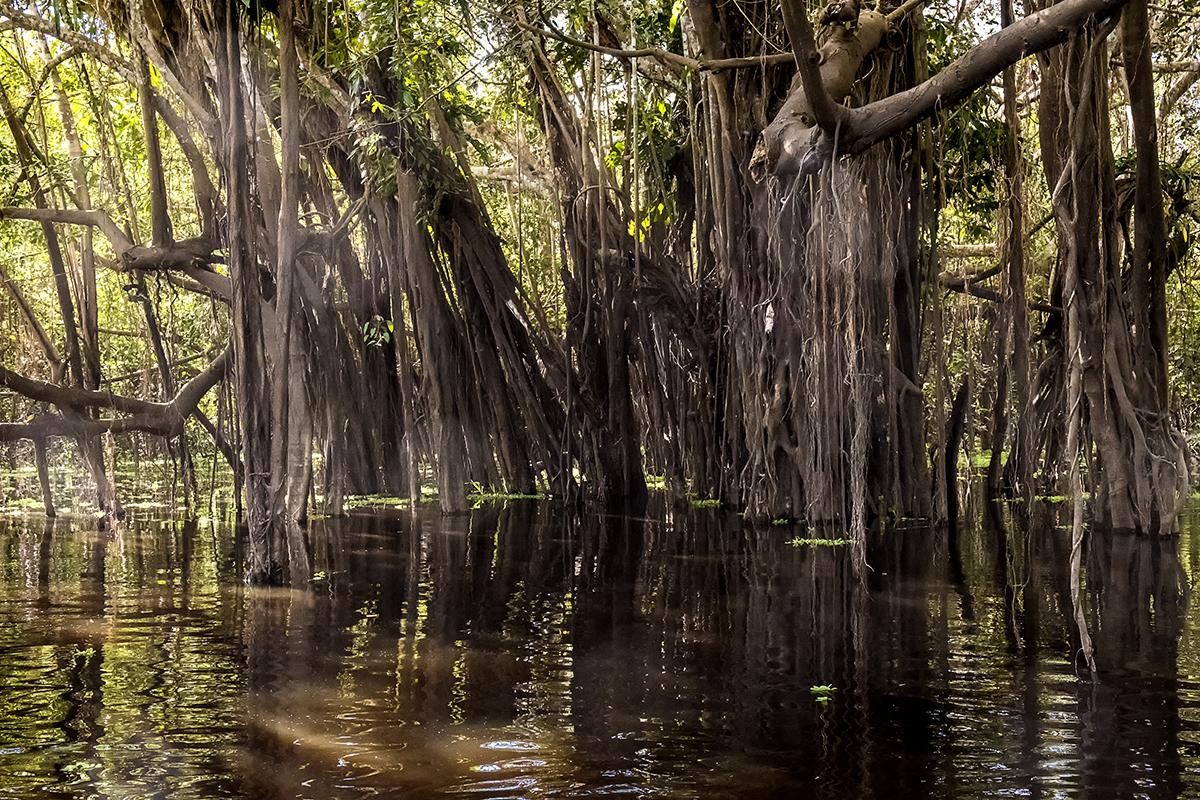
(532,652)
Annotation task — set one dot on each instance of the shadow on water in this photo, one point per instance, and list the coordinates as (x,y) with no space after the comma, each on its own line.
(529,651)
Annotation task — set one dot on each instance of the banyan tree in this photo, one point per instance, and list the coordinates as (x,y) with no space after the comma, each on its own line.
(700,242)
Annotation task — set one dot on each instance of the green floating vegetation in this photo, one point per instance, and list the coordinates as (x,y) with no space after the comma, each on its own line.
(708,502)
(376,501)
(799,542)
(823,693)
(480,493)
(495,496)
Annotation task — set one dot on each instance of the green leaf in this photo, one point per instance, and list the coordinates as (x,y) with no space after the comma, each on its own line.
(676,13)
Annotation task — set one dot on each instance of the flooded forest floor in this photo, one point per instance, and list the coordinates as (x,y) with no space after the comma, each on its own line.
(530,650)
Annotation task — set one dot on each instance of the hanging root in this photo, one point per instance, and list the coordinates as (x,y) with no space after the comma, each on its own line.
(813,368)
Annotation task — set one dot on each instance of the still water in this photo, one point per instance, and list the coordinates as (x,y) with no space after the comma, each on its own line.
(528,651)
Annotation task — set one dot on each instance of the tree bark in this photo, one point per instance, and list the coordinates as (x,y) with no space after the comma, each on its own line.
(1013,342)
(1148,270)
(252,375)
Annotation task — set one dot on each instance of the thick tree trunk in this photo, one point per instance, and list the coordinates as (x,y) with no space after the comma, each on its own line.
(822,407)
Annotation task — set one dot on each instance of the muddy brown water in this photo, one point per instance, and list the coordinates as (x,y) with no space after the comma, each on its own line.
(530,651)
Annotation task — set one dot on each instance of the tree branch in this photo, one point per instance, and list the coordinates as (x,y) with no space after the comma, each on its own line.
(73,216)
(826,113)
(664,57)
(206,120)
(189,256)
(164,419)
(896,14)
(31,320)
(44,75)
(880,120)
(984,293)
(1178,66)
(30,22)
(1172,96)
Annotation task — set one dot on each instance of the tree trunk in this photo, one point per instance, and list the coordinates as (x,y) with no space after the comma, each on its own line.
(252,377)
(1013,342)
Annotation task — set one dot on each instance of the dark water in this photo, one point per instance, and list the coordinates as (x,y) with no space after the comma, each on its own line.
(524,652)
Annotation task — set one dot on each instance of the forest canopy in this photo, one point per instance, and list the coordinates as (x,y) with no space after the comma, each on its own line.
(795,257)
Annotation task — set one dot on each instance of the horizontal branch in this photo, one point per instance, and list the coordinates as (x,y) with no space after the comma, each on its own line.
(73,216)
(984,293)
(163,419)
(966,250)
(525,179)
(192,257)
(69,397)
(896,14)
(950,280)
(702,64)
(665,57)
(43,426)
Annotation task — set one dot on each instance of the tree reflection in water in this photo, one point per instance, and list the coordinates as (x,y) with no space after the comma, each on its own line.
(532,651)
